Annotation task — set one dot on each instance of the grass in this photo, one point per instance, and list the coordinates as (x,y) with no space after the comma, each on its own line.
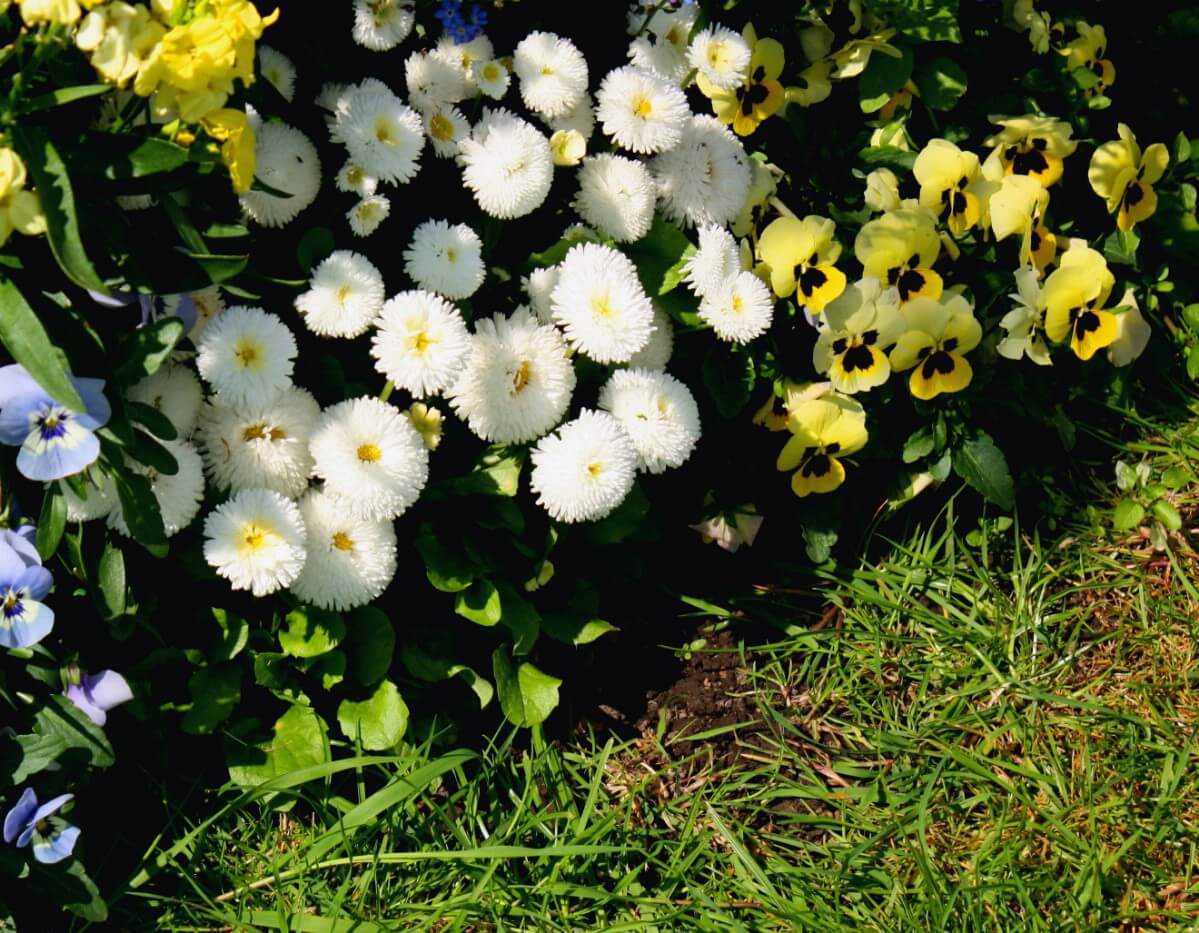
(997,735)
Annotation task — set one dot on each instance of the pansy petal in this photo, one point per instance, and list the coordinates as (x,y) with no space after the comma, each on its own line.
(906,352)
(98,409)
(823,474)
(20,815)
(36,580)
(12,565)
(1110,163)
(16,381)
(27,628)
(1153,163)
(792,452)
(16,417)
(23,541)
(54,848)
(51,806)
(53,458)
(77,695)
(108,689)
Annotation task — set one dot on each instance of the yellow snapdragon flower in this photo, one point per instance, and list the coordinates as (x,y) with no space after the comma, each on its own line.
(232,129)
(1124,177)
(119,36)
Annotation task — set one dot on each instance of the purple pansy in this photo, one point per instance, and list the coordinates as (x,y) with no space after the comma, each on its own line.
(54,440)
(53,838)
(24,620)
(96,694)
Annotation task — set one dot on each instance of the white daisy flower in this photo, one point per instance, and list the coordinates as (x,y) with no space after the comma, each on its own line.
(539,286)
(278,70)
(491,78)
(517,381)
(445,259)
(580,118)
(370,457)
(641,111)
(656,354)
(600,303)
(446,127)
(256,541)
(247,356)
(585,469)
(382,133)
(721,56)
(174,391)
(714,263)
(334,99)
(740,311)
(350,560)
(367,214)
(209,304)
(260,447)
(380,25)
(286,161)
(421,342)
(706,177)
(433,81)
(657,412)
(616,195)
(101,499)
(344,296)
(552,73)
(507,164)
(464,55)
(354,179)
(178,494)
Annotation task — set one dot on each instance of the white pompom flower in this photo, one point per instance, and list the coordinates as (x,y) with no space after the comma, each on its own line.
(581,119)
(354,179)
(174,391)
(705,179)
(246,355)
(101,498)
(600,304)
(344,296)
(714,262)
(517,381)
(740,311)
(657,412)
(278,70)
(617,195)
(380,25)
(367,214)
(421,342)
(286,161)
(446,128)
(260,447)
(433,81)
(382,133)
(552,73)
(178,494)
(445,258)
(539,286)
(370,457)
(721,56)
(350,560)
(656,354)
(507,164)
(209,304)
(585,469)
(256,541)
(491,78)
(641,111)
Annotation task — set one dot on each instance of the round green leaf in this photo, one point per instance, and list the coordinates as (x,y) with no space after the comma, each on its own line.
(378,722)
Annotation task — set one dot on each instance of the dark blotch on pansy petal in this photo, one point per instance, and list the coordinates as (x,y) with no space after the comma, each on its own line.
(810,280)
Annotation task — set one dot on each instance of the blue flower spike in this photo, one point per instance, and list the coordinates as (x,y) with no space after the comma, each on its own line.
(54,440)
(52,837)
(24,619)
(96,694)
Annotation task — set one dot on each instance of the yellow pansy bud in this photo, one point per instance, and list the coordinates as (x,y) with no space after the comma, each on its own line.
(568,147)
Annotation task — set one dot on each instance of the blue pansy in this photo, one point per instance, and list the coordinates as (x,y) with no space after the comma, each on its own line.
(154,307)
(53,838)
(96,694)
(24,621)
(54,440)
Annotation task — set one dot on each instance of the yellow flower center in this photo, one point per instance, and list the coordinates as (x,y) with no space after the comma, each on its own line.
(343,294)
(595,469)
(642,106)
(369,453)
(343,542)
(441,128)
(419,342)
(255,537)
(521,379)
(602,305)
(248,353)
(491,72)
(383,132)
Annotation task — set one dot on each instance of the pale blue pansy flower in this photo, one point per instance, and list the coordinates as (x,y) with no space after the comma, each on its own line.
(96,694)
(24,620)
(54,440)
(52,837)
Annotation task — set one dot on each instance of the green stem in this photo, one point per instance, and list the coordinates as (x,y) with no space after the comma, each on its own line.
(387,390)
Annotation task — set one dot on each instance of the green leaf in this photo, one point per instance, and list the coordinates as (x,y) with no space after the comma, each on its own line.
(64,95)
(370,642)
(520,618)
(1176,477)
(140,510)
(527,694)
(147,348)
(625,520)
(941,82)
(1165,513)
(52,522)
(884,75)
(1085,78)
(235,633)
(315,245)
(298,742)
(1121,247)
(1182,148)
(146,449)
(674,275)
(66,884)
(920,444)
(215,693)
(730,376)
(125,157)
(152,419)
(657,253)
(378,722)
(311,632)
(1127,515)
(1192,364)
(982,465)
(448,570)
(61,728)
(58,203)
(495,475)
(110,578)
(330,668)
(480,603)
(892,157)
(26,340)
(926,20)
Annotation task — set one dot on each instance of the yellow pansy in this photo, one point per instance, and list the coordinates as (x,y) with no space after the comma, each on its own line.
(1124,177)
(1087,52)
(20,209)
(1029,145)
(1132,332)
(1073,296)
(1016,208)
(900,100)
(823,430)
(1025,323)
(785,398)
(236,136)
(934,346)
(882,190)
(119,37)
(1035,23)
(760,96)
(952,185)
(899,249)
(852,58)
(857,329)
(762,187)
(813,85)
(800,255)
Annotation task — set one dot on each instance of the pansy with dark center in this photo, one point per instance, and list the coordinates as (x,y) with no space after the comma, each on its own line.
(823,430)
(53,838)
(1073,298)
(857,328)
(934,346)
(54,440)
(801,256)
(1031,145)
(759,97)
(24,620)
